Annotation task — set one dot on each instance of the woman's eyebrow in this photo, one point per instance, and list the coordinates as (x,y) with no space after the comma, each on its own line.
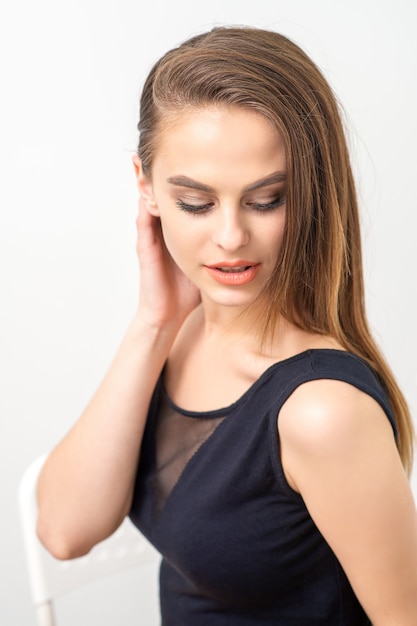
(276,177)
(184,181)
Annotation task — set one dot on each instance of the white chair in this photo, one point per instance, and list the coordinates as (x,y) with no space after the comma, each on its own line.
(50,577)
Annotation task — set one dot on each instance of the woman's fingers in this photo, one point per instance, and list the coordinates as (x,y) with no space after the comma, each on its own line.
(165,292)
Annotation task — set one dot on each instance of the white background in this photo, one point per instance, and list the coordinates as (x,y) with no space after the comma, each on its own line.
(70,76)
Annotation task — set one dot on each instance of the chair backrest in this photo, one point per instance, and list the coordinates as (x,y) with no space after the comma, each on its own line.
(50,577)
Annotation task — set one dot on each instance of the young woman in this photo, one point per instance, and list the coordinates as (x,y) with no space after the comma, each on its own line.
(249,425)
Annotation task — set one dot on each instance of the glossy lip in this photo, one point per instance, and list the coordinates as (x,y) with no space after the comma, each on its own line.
(233,278)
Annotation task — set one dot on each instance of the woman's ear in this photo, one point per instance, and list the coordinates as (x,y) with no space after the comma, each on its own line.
(145,186)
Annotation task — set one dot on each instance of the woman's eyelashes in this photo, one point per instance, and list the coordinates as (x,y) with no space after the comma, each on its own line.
(194,208)
(269,204)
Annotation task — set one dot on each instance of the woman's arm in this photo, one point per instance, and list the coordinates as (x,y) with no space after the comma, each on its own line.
(339,452)
(85,487)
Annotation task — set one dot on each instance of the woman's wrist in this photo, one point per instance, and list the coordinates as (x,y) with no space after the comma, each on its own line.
(153,336)
(155,327)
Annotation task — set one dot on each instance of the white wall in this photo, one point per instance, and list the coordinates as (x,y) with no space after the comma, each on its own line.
(70,79)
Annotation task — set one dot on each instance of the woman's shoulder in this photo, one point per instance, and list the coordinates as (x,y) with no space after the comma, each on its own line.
(329,421)
(326,407)
(337,401)
(333,389)
(323,375)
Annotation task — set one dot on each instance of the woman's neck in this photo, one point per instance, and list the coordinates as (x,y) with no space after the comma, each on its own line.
(227,322)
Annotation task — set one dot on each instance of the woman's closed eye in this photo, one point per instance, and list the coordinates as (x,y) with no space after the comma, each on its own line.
(269,205)
(194,207)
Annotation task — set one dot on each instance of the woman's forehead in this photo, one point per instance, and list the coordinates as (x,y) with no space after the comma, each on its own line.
(219,146)
(231,128)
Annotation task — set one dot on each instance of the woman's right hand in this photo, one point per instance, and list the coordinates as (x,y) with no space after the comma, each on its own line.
(166,294)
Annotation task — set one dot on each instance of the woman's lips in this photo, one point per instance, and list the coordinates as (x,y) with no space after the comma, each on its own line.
(235,274)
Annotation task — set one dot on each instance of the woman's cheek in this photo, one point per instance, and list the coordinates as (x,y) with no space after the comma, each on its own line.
(175,242)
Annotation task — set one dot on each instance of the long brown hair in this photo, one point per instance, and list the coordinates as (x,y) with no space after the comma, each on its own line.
(318,280)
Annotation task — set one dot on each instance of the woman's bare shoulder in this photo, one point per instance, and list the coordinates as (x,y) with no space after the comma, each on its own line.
(330,415)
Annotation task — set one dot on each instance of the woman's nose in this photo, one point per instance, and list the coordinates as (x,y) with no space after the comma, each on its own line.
(231,231)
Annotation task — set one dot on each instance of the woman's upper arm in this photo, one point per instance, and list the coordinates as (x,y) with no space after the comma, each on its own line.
(339,452)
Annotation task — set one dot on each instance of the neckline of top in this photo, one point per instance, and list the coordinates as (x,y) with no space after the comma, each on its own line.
(223,411)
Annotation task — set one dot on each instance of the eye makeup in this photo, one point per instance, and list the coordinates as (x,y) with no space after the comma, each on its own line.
(268,206)
(203,207)
(199,206)
(194,208)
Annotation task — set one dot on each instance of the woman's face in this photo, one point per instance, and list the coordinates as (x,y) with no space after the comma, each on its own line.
(219,187)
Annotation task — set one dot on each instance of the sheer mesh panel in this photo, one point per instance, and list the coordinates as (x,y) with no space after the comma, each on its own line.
(178,438)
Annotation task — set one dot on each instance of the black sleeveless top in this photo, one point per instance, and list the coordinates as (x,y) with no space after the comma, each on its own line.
(238,544)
